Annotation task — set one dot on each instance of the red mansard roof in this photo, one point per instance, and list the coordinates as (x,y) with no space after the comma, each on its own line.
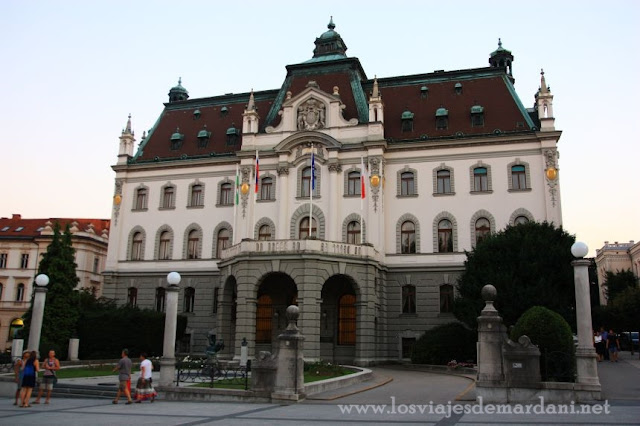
(32,227)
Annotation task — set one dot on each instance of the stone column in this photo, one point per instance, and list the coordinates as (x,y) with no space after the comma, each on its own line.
(16,348)
(36,318)
(490,338)
(586,359)
(290,373)
(74,345)
(168,361)
(334,227)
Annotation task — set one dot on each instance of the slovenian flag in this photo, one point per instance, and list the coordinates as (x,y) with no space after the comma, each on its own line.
(257,170)
(237,185)
(313,170)
(363,178)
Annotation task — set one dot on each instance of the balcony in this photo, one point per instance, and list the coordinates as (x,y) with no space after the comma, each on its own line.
(321,247)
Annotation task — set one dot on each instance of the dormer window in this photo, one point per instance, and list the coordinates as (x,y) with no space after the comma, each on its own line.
(176,139)
(203,137)
(477,116)
(232,135)
(224,111)
(424,92)
(458,88)
(196,114)
(442,119)
(407,121)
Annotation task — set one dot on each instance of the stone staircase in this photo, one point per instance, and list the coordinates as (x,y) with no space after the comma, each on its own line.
(65,390)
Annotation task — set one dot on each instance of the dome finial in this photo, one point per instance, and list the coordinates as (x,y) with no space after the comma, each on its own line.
(499,42)
(331,24)
(179,80)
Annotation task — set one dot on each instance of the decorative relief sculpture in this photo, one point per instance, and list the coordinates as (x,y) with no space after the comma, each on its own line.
(551,161)
(246,173)
(117,200)
(311,115)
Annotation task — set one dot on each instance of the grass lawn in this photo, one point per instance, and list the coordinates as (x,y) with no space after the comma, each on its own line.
(93,371)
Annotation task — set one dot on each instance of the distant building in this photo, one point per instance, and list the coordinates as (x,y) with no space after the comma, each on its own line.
(23,242)
(614,258)
(403,174)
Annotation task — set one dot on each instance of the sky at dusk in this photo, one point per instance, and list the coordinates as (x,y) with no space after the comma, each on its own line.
(73,70)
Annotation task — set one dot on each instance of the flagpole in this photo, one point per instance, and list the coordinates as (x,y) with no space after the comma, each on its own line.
(255,198)
(311,188)
(363,180)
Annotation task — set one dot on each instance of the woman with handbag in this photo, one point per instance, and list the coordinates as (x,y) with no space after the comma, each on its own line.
(49,378)
(144,387)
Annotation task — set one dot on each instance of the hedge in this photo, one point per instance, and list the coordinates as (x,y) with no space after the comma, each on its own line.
(445,343)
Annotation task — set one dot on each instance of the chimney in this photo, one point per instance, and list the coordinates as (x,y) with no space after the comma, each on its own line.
(16,216)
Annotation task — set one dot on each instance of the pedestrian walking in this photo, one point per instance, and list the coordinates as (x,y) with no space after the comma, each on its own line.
(29,374)
(613,346)
(144,387)
(49,377)
(124,370)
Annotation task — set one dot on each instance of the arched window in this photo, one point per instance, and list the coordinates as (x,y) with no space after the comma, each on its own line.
(20,293)
(521,220)
(168,197)
(305,188)
(264,319)
(347,320)
(353,183)
(189,299)
(226,194)
(480,179)
(518,177)
(303,230)
(445,236)
(161,295)
(483,229)
(408,237)
(446,298)
(193,244)
(222,241)
(141,199)
(264,233)
(164,248)
(444,181)
(132,296)
(407,183)
(197,195)
(136,246)
(266,189)
(353,233)
(408,299)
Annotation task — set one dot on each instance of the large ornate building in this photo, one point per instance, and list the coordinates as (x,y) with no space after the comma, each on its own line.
(22,244)
(616,257)
(366,194)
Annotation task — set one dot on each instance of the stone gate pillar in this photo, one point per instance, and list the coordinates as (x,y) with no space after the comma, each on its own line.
(490,338)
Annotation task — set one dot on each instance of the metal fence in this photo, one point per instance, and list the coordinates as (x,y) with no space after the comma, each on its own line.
(213,373)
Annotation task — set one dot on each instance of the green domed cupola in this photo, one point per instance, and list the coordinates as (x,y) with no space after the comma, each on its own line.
(330,45)
(178,93)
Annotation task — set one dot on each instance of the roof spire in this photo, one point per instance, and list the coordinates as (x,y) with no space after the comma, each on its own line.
(331,24)
(128,128)
(499,43)
(543,82)
(376,89)
(252,102)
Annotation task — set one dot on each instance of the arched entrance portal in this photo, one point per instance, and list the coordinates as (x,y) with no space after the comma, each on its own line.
(338,320)
(227,316)
(276,292)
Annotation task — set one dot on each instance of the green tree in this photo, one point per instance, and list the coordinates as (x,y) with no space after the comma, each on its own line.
(616,283)
(61,310)
(529,264)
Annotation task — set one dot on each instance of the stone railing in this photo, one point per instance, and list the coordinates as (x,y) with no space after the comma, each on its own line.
(300,246)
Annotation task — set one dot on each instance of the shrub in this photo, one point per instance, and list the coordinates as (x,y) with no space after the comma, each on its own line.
(552,334)
(444,343)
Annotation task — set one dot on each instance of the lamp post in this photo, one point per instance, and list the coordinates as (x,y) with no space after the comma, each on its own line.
(37,312)
(168,361)
(586,364)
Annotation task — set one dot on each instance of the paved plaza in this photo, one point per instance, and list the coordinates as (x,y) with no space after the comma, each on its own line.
(411,397)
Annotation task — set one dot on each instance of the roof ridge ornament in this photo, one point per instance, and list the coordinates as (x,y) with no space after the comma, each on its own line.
(543,82)
(376,88)
(331,25)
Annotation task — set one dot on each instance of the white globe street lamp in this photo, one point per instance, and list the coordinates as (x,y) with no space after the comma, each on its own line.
(37,312)
(168,361)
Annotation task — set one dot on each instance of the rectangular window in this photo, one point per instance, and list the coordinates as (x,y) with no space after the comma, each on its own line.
(266,188)
(518,177)
(24,261)
(226,197)
(407,185)
(408,299)
(353,183)
(141,199)
(196,195)
(3,260)
(444,182)
(480,179)
(96,264)
(168,201)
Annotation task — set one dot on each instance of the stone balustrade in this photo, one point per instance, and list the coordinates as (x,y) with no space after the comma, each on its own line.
(300,246)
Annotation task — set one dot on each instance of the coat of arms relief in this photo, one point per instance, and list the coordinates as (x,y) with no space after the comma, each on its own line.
(311,115)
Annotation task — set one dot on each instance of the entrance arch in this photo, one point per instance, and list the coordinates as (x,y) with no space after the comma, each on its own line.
(276,292)
(338,320)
